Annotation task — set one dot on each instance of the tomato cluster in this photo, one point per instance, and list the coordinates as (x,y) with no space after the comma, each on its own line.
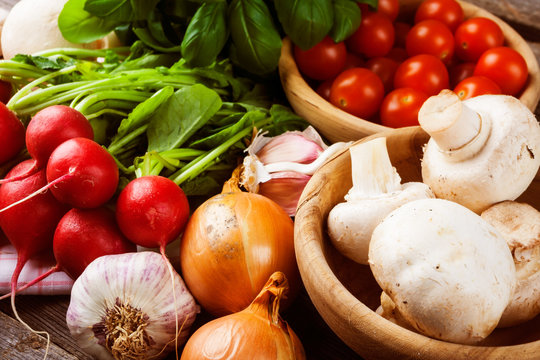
(387,68)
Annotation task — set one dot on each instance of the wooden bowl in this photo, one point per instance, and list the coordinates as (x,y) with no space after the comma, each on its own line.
(338,125)
(346,294)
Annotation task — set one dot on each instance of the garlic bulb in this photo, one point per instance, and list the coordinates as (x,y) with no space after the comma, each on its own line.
(123,307)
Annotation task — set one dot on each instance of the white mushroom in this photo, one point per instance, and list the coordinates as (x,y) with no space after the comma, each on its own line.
(32,26)
(449,273)
(482,150)
(519,224)
(376,191)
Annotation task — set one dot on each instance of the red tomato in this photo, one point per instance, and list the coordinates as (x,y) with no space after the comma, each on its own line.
(505,66)
(401,29)
(476,35)
(374,37)
(398,54)
(460,71)
(323,61)
(358,91)
(6,90)
(353,61)
(384,68)
(447,11)
(476,85)
(431,37)
(400,107)
(324,89)
(422,72)
(389,8)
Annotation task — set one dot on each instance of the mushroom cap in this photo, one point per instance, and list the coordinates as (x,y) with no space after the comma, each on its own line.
(351,223)
(519,224)
(449,272)
(501,170)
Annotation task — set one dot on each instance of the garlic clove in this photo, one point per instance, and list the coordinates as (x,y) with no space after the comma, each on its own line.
(285,189)
(289,146)
(123,306)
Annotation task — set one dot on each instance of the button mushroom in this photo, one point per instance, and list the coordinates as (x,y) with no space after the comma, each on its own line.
(376,191)
(449,273)
(519,224)
(482,150)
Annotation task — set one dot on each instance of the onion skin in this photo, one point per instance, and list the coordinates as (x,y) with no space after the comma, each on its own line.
(231,245)
(257,332)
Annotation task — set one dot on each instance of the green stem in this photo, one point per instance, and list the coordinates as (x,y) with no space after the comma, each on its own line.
(117,146)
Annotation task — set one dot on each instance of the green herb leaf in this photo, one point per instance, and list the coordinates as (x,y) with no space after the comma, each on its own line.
(79,26)
(347,18)
(206,34)
(256,43)
(306,22)
(181,116)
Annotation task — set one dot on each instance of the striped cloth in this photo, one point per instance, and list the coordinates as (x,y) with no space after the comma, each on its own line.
(58,283)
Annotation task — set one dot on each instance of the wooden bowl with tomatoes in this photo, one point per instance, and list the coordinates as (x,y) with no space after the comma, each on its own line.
(344,112)
(346,294)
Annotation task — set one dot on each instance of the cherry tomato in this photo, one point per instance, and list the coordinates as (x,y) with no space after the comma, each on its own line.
(389,8)
(6,90)
(431,37)
(384,68)
(323,61)
(446,11)
(476,85)
(398,54)
(374,37)
(460,71)
(401,29)
(324,89)
(476,35)
(422,72)
(358,91)
(505,66)
(400,107)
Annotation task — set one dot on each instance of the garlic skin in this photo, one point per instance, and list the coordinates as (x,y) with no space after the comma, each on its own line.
(129,289)
(279,167)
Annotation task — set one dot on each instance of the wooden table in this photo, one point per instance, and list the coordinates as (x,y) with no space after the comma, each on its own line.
(48,312)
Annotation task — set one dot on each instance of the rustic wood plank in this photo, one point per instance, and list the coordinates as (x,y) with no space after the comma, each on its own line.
(526,12)
(46,313)
(18,343)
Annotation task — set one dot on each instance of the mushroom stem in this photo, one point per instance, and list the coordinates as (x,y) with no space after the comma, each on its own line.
(459,131)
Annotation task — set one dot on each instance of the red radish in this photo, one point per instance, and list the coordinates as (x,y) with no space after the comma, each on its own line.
(152,211)
(49,128)
(81,236)
(80,173)
(31,225)
(11,134)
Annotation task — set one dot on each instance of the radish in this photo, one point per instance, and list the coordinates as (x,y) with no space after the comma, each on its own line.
(81,236)
(49,128)
(11,134)
(31,225)
(152,211)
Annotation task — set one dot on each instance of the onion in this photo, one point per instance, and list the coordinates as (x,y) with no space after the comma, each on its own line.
(232,243)
(124,307)
(257,332)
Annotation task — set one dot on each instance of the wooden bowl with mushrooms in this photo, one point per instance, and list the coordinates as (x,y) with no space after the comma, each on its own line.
(338,125)
(346,293)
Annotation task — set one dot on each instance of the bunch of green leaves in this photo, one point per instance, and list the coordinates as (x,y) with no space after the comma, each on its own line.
(151,111)
(247,31)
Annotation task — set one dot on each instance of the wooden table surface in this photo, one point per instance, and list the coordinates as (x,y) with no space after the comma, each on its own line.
(47,313)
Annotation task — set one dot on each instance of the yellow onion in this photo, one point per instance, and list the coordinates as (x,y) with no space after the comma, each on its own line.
(231,245)
(257,332)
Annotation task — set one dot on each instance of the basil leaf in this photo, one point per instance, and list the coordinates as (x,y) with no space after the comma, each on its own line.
(347,18)
(206,34)
(256,43)
(79,26)
(181,116)
(306,22)
(373,4)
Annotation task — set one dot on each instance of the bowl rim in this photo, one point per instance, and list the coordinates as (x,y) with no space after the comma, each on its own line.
(364,330)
